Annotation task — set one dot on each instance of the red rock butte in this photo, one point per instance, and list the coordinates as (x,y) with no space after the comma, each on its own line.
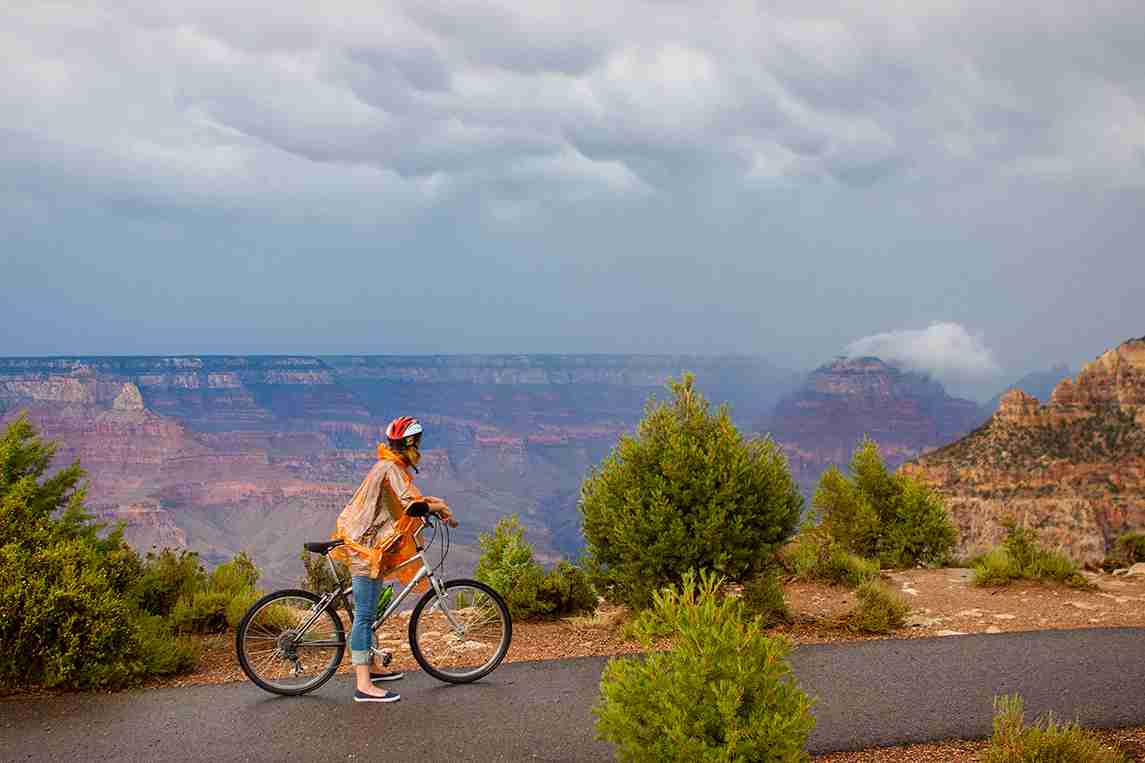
(1073,468)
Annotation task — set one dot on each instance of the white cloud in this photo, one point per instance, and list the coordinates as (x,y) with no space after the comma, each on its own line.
(946,350)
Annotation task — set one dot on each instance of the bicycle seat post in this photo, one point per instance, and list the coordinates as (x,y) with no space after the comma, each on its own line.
(333,573)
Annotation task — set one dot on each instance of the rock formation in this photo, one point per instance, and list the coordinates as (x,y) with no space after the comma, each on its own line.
(1073,468)
(905,413)
(231,453)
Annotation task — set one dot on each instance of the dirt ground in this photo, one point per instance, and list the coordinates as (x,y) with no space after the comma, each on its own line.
(943,602)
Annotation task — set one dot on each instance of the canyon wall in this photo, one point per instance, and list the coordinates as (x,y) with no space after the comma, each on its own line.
(259,453)
(1072,468)
(839,403)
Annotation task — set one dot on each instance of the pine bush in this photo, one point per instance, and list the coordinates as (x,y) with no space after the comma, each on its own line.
(167,576)
(878,515)
(816,556)
(686,491)
(763,597)
(69,598)
(220,600)
(507,564)
(724,692)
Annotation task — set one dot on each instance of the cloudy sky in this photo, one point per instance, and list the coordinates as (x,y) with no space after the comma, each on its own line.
(796,179)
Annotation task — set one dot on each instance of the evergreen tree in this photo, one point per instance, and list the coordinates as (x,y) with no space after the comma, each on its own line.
(685,492)
(879,515)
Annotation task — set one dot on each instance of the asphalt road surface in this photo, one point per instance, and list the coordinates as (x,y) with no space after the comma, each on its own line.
(869,693)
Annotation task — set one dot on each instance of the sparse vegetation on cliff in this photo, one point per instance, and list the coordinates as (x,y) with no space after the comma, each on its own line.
(1131,548)
(686,491)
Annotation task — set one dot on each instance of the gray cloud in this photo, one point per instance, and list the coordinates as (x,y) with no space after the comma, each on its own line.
(857,166)
(461,92)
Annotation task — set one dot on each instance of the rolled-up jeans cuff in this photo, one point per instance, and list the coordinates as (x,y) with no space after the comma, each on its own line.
(360,657)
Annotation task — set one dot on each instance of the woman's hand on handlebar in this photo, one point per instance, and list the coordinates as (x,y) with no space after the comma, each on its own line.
(441,508)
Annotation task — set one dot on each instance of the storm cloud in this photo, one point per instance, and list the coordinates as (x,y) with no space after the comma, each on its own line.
(734,177)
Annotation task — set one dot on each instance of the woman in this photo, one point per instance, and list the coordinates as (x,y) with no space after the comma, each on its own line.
(378,537)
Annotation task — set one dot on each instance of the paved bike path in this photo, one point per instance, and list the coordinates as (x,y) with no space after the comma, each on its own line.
(869,693)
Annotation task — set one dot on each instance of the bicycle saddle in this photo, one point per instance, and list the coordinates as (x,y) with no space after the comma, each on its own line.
(322,547)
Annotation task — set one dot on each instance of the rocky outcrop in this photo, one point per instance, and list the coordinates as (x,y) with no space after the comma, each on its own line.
(1073,468)
(843,401)
(230,453)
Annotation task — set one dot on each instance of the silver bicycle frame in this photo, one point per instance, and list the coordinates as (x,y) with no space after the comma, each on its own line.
(425,572)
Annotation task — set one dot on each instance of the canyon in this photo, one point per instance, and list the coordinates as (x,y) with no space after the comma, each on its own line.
(838,404)
(1072,468)
(222,454)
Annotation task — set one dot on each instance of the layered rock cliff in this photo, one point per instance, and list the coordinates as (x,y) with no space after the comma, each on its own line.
(843,401)
(1072,468)
(231,453)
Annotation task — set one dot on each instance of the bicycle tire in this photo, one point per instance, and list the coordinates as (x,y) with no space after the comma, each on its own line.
(490,665)
(244,657)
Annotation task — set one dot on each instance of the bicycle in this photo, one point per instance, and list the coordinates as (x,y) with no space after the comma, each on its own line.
(292,641)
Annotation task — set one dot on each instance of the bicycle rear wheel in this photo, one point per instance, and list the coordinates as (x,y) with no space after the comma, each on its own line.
(463,635)
(278,655)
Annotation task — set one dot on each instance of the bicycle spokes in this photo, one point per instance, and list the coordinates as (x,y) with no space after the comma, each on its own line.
(462,631)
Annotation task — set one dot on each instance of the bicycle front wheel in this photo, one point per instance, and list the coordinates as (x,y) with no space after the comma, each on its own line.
(286,645)
(462,635)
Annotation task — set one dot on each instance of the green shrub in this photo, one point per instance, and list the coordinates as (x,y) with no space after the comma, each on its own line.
(566,590)
(815,556)
(166,577)
(220,600)
(879,609)
(763,597)
(507,565)
(723,692)
(1020,557)
(201,612)
(878,515)
(318,578)
(995,567)
(1046,741)
(802,555)
(162,651)
(239,574)
(686,491)
(1131,548)
(69,598)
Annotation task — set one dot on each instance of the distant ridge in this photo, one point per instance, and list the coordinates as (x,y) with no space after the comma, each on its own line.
(906,413)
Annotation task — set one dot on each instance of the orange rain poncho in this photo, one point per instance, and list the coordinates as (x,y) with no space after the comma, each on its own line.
(378,534)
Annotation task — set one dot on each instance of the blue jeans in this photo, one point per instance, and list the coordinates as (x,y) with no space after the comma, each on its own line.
(366,593)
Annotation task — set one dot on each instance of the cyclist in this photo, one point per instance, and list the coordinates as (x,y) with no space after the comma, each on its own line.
(379,536)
